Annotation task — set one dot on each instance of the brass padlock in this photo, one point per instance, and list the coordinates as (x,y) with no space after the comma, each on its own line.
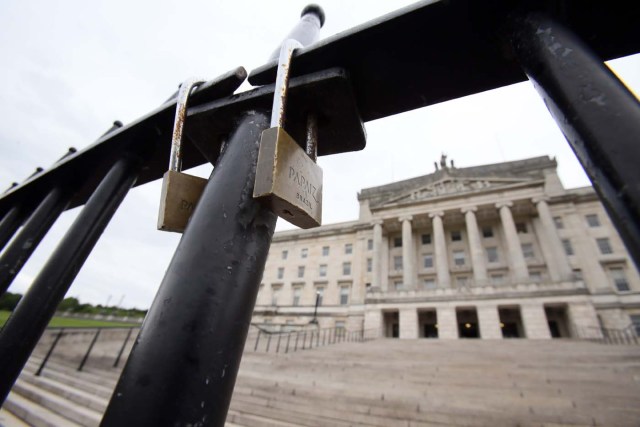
(180,192)
(288,179)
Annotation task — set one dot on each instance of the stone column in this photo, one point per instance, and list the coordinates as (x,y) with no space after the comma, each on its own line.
(440,249)
(447,323)
(517,263)
(373,322)
(489,322)
(407,254)
(376,267)
(475,246)
(408,323)
(584,320)
(557,261)
(534,321)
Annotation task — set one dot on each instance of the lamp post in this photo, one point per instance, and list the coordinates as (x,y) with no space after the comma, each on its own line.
(315,310)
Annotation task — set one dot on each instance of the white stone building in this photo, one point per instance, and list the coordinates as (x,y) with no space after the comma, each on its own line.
(493,251)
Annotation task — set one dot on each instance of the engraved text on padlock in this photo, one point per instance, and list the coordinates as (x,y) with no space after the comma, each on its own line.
(288,180)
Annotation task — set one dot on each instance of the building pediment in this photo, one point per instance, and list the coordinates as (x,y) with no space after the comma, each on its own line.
(451,186)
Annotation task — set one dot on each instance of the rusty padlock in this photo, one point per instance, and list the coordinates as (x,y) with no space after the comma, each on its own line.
(180,191)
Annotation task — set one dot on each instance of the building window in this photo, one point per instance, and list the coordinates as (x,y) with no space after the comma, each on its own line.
(301,271)
(285,254)
(521,227)
(304,252)
(319,295)
(456,236)
(619,279)
(577,274)
(325,251)
(487,232)
(635,320)
(275,293)
(397,242)
(566,244)
(323,270)
(557,220)
(426,239)
(497,279)
(427,260)
(593,220)
(348,248)
(280,272)
(492,254)
(604,245)
(297,292)
(398,285)
(527,250)
(344,295)
(346,268)
(369,265)
(461,281)
(458,258)
(397,262)
(535,276)
(429,283)
(370,244)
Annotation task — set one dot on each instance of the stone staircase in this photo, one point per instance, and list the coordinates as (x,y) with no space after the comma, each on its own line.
(382,383)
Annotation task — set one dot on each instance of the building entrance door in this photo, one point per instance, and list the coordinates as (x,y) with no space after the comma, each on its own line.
(467,323)
(391,325)
(558,321)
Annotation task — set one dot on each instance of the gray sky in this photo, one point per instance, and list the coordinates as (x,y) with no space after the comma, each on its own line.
(72,67)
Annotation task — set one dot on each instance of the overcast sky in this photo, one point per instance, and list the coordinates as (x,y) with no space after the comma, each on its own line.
(70,68)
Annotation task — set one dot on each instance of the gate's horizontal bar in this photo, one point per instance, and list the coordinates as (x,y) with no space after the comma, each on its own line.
(433,52)
(150,133)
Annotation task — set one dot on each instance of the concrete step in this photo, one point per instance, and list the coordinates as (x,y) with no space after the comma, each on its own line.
(59,405)
(32,414)
(68,392)
(7,419)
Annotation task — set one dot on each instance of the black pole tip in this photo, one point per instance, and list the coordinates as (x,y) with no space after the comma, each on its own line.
(117,123)
(39,169)
(316,10)
(72,149)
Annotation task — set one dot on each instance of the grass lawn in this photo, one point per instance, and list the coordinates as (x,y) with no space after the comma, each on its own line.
(66,322)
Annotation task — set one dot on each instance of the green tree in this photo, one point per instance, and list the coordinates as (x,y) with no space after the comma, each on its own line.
(9,301)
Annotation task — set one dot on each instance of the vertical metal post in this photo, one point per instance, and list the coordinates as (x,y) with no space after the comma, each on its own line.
(599,116)
(9,224)
(318,338)
(268,344)
(208,294)
(255,347)
(27,240)
(124,345)
(295,347)
(304,340)
(48,355)
(34,311)
(278,344)
(324,334)
(86,355)
(286,350)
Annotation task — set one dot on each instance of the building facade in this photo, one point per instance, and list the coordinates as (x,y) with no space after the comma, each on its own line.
(494,251)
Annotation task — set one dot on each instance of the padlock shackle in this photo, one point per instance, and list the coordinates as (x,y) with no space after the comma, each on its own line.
(175,159)
(282,82)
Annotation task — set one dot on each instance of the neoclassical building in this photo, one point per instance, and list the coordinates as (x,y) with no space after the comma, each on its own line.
(493,251)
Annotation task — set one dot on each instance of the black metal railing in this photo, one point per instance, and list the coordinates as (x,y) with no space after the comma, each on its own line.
(264,340)
(78,344)
(627,335)
(198,324)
